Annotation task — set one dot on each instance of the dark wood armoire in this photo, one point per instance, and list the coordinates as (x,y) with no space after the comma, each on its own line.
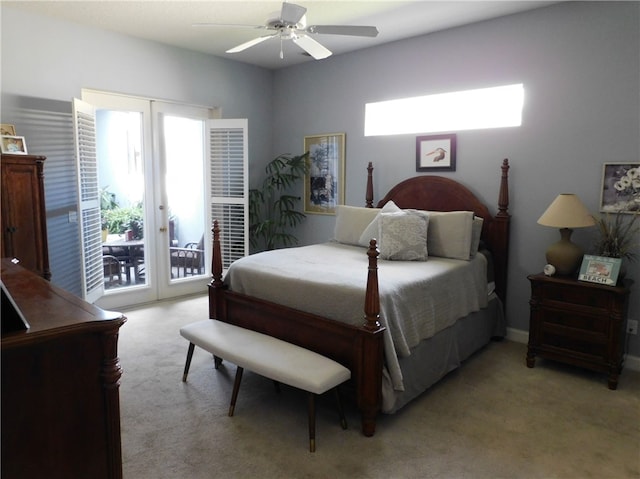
(24,221)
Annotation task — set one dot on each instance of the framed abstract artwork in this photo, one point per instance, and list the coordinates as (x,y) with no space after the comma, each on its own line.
(324,180)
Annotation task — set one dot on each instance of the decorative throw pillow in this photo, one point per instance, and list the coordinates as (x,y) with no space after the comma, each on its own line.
(450,234)
(403,236)
(476,232)
(351,222)
(371,231)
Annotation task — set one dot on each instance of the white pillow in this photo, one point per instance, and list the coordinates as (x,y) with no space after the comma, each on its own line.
(371,231)
(403,236)
(450,234)
(351,222)
(476,232)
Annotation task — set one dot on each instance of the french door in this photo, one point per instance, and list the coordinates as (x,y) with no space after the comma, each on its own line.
(156,196)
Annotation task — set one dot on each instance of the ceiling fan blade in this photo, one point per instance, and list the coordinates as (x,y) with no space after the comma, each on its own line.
(230,25)
(291,13)
(250,43)
(353,30)
(313,48)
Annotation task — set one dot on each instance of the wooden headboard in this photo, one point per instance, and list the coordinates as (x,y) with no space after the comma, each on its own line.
(437,193)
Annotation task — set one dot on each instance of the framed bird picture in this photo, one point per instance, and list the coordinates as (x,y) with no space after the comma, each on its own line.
(436,153)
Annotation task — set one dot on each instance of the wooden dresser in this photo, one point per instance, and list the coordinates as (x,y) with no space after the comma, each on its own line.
(60,384)
(24,221)
(579,323)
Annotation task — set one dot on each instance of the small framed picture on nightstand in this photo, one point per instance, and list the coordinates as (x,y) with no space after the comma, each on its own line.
(600,269)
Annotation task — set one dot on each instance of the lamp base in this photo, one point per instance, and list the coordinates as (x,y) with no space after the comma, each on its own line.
(565,255)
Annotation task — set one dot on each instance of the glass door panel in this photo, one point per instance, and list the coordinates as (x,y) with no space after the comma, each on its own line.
(122,197)
(184,182)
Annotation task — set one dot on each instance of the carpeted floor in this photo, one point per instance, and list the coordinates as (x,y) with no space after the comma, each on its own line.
(493,418)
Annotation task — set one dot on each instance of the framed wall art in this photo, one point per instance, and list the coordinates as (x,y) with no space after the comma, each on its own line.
(436,153)
(620,188)
(15,145)
(324,180)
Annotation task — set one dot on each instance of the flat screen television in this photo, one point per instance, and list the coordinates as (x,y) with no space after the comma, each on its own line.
(12,318)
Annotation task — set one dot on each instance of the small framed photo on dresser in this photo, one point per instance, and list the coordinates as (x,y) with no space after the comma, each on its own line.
(600,269)
(15,145)
(6,129)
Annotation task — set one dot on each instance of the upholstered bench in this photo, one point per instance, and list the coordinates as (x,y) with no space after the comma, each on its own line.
(269,357)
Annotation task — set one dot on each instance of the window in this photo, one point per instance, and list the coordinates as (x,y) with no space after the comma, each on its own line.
(463,110)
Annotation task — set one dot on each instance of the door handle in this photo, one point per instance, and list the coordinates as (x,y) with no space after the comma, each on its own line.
(163,229)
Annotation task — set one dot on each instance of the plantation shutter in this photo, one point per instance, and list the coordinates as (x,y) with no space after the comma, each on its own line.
(88,201)
(227,150)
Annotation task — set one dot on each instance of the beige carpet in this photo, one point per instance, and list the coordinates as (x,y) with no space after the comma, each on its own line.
(493,418)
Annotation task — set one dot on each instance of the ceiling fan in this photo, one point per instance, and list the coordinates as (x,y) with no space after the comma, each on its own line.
(291,24)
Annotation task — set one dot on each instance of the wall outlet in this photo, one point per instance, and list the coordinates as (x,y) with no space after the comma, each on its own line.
(73,216)
(632,326)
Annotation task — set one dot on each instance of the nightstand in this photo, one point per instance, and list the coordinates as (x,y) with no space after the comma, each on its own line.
(578,323)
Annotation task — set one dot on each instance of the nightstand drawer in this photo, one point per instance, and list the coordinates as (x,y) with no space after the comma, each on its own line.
(574,320)
(595,349)
(576,295)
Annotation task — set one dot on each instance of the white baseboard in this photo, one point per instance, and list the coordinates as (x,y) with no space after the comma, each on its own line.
(520,336)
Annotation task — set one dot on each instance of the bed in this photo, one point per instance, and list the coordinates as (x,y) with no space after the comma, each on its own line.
(393,357)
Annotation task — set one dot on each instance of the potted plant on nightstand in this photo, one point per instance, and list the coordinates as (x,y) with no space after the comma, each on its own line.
(617,237)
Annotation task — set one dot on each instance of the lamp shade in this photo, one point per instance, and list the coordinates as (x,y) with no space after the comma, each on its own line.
(567,211)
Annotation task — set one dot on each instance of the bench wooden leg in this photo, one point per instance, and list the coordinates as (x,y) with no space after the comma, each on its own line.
(343,419)
(236,389)
(216,361)
(188,363)
(312,422)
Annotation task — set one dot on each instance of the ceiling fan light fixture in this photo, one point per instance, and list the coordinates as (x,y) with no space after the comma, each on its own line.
(291,24)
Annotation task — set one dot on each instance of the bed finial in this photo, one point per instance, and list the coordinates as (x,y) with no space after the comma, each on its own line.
(372,298)
(503,198)
(216,260)
(369,195)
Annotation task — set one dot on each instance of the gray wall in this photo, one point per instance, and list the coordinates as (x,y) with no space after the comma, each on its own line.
(46,58)
(580,65)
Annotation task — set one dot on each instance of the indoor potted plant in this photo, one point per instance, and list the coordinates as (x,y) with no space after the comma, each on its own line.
(272,210)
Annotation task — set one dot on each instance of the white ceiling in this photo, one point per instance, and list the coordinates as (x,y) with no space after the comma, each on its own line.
(170,22)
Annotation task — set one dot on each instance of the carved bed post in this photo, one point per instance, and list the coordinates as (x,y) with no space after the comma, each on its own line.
(370,364)
(216,286)
(503,198)
(216,260)
(501,225)
(369,194)
(372,297)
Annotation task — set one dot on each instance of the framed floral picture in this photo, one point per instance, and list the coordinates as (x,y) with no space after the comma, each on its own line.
(324,181)
(620,188)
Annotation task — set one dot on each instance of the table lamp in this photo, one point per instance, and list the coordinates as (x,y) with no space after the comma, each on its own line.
(566,212)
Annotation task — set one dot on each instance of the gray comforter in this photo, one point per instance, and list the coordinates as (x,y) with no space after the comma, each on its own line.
(417,298)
